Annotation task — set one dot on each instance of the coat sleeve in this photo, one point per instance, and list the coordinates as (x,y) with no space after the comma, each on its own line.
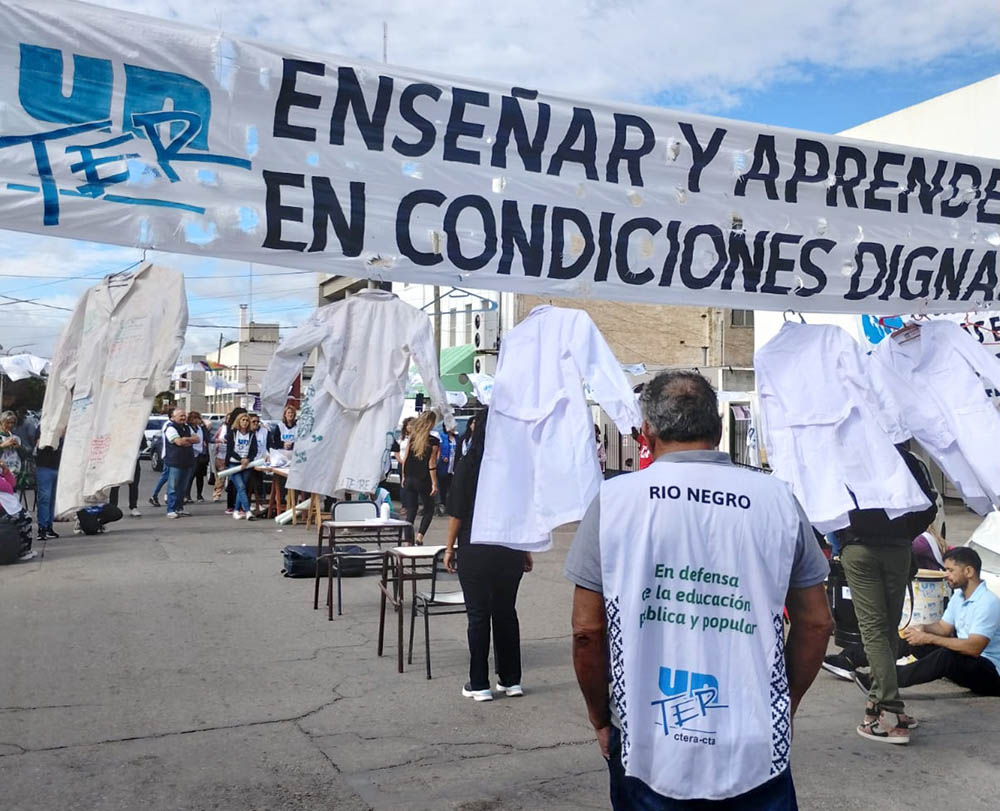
(422,350)
(292,352)
(985,363)
(62,379)
(174,329)
(603,373)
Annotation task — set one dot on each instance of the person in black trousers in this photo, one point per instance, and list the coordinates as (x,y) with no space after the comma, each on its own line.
(133,486)
(419,479)
(490,576)
(200,430)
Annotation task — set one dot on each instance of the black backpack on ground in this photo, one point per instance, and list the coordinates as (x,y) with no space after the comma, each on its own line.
(300,561)
(15,537)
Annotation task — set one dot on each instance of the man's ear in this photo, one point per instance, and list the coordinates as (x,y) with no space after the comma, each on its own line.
(649,433)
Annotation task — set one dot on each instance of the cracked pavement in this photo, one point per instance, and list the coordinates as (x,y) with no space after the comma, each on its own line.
(168,665)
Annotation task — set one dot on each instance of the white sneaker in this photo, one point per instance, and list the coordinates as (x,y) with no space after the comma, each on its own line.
(134,512)
(513,690)
(251,517)
(478,695)
(172,515)
(237,515)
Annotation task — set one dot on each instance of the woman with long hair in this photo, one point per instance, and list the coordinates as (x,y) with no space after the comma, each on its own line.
(241,449)
(418,484)
(490,576)
(220,460)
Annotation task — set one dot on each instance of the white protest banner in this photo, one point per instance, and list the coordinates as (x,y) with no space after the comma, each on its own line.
(136,131)
(984,327)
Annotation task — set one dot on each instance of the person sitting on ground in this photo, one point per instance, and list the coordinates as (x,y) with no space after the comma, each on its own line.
(929,549)
(13,512)
(10,444)
(964,645)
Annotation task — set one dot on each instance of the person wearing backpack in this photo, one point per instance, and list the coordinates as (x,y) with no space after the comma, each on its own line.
(876,553)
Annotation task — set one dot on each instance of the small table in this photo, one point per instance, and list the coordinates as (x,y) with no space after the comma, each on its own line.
(394,576)
(363,532)
(274,497)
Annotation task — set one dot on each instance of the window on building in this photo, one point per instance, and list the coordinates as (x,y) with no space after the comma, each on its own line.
(468,323)
(741,318)
(452,327)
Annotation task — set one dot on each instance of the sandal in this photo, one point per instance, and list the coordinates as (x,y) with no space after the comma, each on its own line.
(905,721)
(873,729)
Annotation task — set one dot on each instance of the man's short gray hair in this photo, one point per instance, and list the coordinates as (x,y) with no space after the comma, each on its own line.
(681,407)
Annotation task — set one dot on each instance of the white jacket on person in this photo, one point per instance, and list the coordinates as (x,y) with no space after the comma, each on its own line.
(540,467)
(366,344)
(115,355)
(827,428)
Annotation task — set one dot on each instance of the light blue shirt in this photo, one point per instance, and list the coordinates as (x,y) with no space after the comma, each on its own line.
(977,614)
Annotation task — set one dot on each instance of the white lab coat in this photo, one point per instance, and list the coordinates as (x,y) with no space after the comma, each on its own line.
(540,467)
(938,376)
(826,427)
(366,344)
(114,356)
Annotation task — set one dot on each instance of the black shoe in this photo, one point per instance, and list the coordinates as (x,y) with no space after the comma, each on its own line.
(864,681)
(188,501)
(41,535)
(51,533)
(840,665)
(154,501)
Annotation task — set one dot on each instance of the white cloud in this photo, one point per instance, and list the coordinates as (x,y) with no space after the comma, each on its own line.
(708,52)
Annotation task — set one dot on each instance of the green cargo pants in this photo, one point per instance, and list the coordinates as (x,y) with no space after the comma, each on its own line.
(878,576)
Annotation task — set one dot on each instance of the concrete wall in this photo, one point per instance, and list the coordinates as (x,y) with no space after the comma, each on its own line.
(662,336)
(965,121)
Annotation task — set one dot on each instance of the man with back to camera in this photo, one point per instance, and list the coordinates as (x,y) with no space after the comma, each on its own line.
(682,571)
(964,645)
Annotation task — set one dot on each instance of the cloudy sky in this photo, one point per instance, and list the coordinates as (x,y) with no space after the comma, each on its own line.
(823,66)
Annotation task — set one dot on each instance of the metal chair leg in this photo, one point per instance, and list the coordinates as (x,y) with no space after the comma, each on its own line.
(413,622)
(339,592)
(319,551)
(427,638)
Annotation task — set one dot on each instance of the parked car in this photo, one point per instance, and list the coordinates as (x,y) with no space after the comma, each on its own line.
(154,429)
(156,452)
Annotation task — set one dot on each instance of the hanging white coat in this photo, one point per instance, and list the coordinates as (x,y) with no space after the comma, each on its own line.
(826,428)
(540,467)
(115,355)
(366,344)
(938,373)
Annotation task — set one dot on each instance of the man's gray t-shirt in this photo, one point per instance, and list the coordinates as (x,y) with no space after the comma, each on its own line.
(583,563)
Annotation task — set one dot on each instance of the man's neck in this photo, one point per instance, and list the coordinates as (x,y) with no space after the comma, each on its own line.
(661,448)
(971,586)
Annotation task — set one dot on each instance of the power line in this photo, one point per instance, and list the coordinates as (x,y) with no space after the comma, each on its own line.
(34,303)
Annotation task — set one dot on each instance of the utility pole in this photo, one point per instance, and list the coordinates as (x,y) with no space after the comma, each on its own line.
(437,324)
